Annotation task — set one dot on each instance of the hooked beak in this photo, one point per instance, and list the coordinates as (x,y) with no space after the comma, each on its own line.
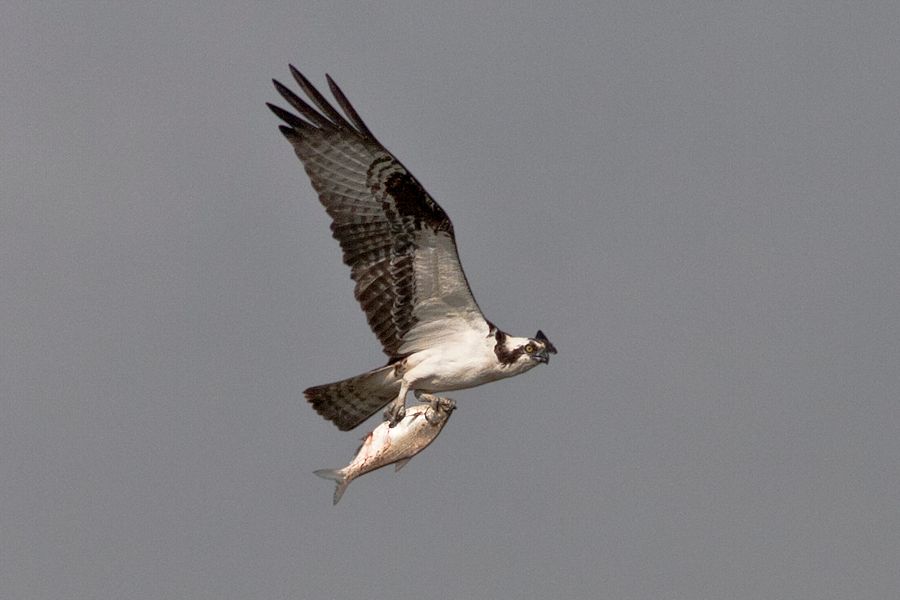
(543,356)
(549,348)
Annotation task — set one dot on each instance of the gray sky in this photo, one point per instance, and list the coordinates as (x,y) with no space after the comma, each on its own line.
(697,202)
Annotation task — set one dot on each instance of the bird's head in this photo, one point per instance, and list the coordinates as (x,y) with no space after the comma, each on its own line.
(523,353)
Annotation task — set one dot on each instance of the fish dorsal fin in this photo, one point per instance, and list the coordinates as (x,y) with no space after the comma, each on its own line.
(363,441)
(401,463)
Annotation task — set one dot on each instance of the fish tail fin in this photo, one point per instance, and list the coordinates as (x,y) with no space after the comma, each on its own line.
(338,477)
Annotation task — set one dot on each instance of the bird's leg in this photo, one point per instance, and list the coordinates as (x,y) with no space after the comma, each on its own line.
(396,410)
(439,405)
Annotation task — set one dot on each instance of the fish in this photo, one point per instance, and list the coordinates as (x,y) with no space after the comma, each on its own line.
(386,445)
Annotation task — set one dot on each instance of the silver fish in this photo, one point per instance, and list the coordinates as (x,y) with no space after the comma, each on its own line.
(387,445)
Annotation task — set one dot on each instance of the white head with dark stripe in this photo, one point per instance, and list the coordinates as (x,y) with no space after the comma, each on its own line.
(520,354)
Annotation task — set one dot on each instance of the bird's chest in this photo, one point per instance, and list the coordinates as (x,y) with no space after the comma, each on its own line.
(455,369)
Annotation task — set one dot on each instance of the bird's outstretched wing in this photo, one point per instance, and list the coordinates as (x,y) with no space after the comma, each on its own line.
(398,242)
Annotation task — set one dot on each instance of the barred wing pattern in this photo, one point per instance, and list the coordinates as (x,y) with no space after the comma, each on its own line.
(398,242)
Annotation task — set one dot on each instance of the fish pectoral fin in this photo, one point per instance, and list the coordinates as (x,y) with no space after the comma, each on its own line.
(401,463)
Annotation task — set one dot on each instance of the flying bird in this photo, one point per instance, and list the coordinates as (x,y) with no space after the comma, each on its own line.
(401,250)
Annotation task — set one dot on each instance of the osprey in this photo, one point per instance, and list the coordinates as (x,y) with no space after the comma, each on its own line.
(400,247)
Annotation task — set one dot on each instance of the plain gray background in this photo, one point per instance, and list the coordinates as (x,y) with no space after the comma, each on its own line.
(696,201)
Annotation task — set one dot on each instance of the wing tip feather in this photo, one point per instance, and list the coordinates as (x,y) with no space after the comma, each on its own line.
(327,117)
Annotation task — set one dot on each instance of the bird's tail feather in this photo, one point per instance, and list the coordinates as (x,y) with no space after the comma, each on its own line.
(339,478)
(349,402)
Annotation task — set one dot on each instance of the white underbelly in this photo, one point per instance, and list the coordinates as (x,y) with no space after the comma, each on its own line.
(440,372)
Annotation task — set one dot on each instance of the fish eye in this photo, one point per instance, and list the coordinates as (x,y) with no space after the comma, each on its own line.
(529,348)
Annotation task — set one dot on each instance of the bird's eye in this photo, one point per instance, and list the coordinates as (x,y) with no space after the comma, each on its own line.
(529,348)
